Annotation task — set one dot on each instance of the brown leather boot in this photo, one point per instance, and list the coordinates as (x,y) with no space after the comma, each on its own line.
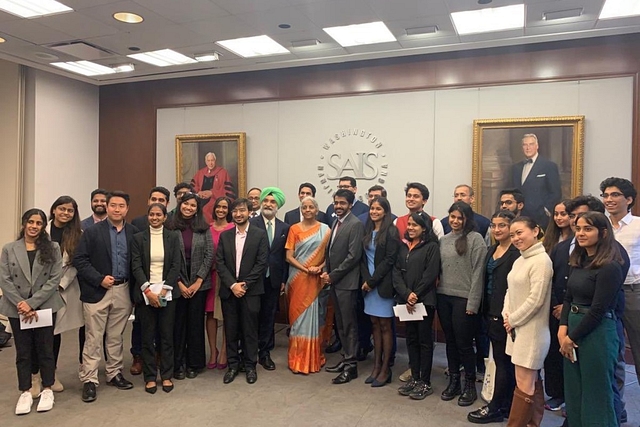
(521,409)
(538,406)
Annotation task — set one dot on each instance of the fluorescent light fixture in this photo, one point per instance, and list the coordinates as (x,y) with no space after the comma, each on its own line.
(163,58)
(620,9)
(124,68)
(248,47)
(562,14)
(206,57)
(418,31)
(358,34)
(490,19)
(86,68)
(128,17)
(33,8)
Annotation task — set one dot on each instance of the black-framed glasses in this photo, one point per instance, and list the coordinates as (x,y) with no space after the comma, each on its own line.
(613,195)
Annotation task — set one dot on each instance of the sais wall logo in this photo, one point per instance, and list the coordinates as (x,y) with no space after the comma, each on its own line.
(352,152)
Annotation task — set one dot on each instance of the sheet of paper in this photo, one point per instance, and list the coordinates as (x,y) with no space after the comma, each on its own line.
(156,288)
(45,318)
(403,314)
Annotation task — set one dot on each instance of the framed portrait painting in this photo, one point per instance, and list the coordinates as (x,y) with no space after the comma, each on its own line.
(214,164)
(542,157)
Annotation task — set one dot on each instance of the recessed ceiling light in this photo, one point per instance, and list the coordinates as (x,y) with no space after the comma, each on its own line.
(128,17)
(86,68)
(248,47)
(487,20)
(2,40)
(163,58)
(33,8)
(620,9)
(124,68)
(206,57)
(354,35)
(284,26)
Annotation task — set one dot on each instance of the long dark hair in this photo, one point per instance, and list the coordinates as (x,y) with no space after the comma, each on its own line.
(215,206)
(385,225)
(553,232)
(607,250)
(197,223)
(424,221)
(44,246)
(469,225)
(72,230)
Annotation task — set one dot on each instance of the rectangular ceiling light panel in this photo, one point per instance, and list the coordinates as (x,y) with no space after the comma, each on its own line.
(620,9)
(359,34)
(86,68)
(33,8)
(489,20)
(163,58)
(249,47)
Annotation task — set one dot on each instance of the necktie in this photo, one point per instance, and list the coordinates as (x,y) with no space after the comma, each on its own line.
(270,237)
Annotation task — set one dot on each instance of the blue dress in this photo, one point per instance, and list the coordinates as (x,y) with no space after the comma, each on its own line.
(374,304)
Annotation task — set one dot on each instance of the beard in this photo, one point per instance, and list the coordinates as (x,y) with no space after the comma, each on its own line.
(99,210)
(269,213)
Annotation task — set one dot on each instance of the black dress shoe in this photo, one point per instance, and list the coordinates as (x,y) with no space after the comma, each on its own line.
(89,392)
(151,390)
(167,388)
(485,415)
(252,376)
(347,375)
(334,347)
(120,383)
(336,368)
(230,375)
(192,373)
(179,374)
(267,363)
(242,368)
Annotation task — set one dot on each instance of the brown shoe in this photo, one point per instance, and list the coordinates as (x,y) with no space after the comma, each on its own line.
(538,406)
(136,366)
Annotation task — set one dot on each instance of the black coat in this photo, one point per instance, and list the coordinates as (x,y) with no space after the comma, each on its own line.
(417,271)
(278,267)
(293,217)
(141,261)
(384,260)
(494,303)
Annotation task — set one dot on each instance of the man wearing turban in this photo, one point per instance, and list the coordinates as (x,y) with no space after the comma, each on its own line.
(271,199)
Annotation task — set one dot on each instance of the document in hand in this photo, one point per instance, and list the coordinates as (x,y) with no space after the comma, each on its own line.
(156,288)
(403,314)
(45,318)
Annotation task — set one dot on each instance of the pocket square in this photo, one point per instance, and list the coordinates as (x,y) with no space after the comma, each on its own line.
(542,175)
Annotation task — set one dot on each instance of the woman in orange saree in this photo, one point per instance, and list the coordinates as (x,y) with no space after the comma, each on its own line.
(305,247)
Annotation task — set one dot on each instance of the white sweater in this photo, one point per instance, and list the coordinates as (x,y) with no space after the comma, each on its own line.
(156,255)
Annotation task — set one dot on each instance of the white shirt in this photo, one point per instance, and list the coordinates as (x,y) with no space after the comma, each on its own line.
(527,168)
(628,234)
(241,238)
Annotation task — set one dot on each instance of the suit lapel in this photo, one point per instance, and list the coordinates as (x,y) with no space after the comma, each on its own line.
(146,245)
(535,168)
(20,251)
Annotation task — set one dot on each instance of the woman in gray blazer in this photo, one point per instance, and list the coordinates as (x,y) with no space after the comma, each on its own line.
(30,271)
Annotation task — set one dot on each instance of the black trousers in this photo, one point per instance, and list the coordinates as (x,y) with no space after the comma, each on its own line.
(241,324)
(188,333)
(267,318)
(482,343)
(419,336)
(156,322)
(505,380)
(38,341)
(553,364)
(345,306)
(136,334)
(459,329)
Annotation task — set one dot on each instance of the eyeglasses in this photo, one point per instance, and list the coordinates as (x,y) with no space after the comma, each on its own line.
(500,226)
(507,202)
(613,195)
(344,187)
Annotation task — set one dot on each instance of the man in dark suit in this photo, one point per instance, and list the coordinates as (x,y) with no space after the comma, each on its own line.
(464,193)
(275,277)
(357,208)
(294,216)
(156,195)
(539,180)
(103,261)
(373,192)
(241,260)
(343,275)
(98,207)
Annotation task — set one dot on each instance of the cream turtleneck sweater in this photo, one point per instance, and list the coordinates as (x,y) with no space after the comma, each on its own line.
(156,256)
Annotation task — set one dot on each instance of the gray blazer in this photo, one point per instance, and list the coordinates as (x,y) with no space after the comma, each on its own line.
(201,260)
(345,251)
(17,281)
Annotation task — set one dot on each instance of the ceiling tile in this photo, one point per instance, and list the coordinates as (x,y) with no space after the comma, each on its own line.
(334,13)
(85,4)
(428,41)
(229,27)
(376,47)
(622,22)
(388,10)
(267,22)
(31,31)
(104,14)
(77,25)
(559,28)
(177,11)
(496,35)
(243,6)
(313,52)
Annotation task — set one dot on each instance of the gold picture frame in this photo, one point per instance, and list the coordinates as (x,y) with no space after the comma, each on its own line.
(231,154)
(497,150)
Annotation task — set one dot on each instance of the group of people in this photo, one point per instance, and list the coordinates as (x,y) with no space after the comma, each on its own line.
(557,302)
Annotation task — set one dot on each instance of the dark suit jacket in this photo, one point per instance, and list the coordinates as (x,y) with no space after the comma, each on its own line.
(293,217)
(357,209)
(86,223)
(141,261)
(541,189)
(383,260)
(253,265)
(93,260)
(493,304)
(140,222)
(278,267)
(344,252)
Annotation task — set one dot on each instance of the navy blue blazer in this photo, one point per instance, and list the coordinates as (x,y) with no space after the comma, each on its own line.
(277,266)
(357,209)
(541,189)
(293,217)
(93,260)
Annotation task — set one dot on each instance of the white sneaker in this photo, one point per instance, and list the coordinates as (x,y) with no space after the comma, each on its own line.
(46,401)
(36,386)
(24,403)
